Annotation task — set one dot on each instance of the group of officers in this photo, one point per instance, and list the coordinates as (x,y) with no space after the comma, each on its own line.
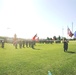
(24,43)
(31,44)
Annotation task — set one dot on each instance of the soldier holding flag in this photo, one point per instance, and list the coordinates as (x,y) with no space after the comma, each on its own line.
(33,41)
(15,41)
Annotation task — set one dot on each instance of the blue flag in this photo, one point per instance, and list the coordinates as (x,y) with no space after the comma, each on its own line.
(75,34)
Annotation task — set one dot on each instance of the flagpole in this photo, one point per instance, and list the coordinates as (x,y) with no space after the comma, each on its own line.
(62,32)
(72,26)
(67,32)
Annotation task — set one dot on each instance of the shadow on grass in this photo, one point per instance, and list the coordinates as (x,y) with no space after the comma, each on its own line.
(35,48)
(71,52)
(3,48)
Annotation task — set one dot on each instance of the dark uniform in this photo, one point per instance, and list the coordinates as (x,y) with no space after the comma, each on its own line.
(2,44)
(27,43)
(23,42)
(15,44)
(20,44)
(65,45)
(33,44)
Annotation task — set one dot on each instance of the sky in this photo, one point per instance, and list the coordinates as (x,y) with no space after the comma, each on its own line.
(46,18)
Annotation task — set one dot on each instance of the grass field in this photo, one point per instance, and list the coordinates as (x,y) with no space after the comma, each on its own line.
(38,61)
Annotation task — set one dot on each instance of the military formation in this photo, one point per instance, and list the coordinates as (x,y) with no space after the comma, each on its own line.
(31,43)
(24,43)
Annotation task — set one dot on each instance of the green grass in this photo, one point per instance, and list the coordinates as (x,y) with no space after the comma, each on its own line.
(38,61)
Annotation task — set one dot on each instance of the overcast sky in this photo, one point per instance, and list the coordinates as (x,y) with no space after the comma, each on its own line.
(44,17)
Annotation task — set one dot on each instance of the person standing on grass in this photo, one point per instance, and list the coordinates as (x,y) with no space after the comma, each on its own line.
(27,43)
(20,44)
(15,44)
(2,43)
(33,41)
(65,46)
(15,41)
(23,42)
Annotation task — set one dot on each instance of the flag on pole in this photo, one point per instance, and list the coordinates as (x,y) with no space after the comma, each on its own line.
(37,39)
(15,39)
(75,34)
(69,32)
(34,37)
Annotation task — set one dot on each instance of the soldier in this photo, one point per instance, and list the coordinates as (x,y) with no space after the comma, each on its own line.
(20,44)
(65,45)
(2,43)
(27,43)
(32,44)
(23,42)
(15,44)
(33,41)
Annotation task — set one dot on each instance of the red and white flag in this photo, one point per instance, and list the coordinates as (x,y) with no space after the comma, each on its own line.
(34,37)
(15,39)
(37,39)
(69,32)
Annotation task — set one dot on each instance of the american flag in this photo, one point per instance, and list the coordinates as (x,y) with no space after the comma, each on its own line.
(69,32)
(34,37)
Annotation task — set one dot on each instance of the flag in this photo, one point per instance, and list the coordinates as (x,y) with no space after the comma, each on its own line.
(34,37)
(69,32)
(15,39)
(75,34)
(37,39)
